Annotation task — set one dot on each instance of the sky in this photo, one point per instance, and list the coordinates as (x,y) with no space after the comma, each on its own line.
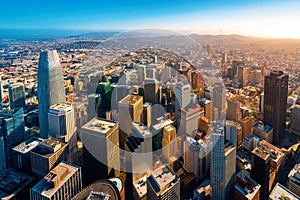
(261,18)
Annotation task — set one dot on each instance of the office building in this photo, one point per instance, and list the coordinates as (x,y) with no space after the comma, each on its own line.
(204,125)
(12,131)
(151,87)
(203,191)
(102,189)
(294,180)
(146,116)
(169,143)
(140,188)
(246,188)
(47,155)
(92,105)
(263,131)
(182,96)
(207,105)
(280,192)
(217,166)
(230,163)
(62,182)
(295,120)
(101,157)
(275,103)
(157,131)
(233,132)
(233,111)
(103,103)
(80,113)
(163,184)
(16,96)
(50,87)
(188,120)
(21,155)
(141,73)
(1,94)
(197,82)
(14,185)
(130,110)
(62,120)
(219,99)
(247,125)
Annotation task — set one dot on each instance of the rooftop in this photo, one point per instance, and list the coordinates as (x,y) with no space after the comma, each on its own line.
(295,174)
(162,124)
(27,146)
(131,99)
(101,126)
(12,182)
(61,106)
(263,127)
(55,179)
(141,128)
(280,192)
(49,146)
(246,185)
(161,178)
(140,186)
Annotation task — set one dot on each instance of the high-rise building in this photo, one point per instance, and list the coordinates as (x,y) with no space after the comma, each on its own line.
(101,155)
(130,110)
(217,166)
(62,182)
(104,101)
(47,155)
(263,131)
(81,115)
(246,188)
(62,120)
(233,111)
(204,125)
(163,184)
(151,87)
(146,116)
(219,99)
(12,131)
(247,125)
(16,96)
(182,96)
(230,163)
(188,120)
(275,103)
(280,192)
(169,143)
(50,87)
(207,105)
(233,132)
(294,180)
(197,82)
(141,72)
(92,105)
(295,120)
(21,155)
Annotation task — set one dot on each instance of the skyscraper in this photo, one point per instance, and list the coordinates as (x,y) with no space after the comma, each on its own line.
(12,131)
(16,96)
(182,96)
(217,166)
(218,99)
(50,87)
(295,120)
(62,182)
(151,87)
(1,94)
(275,103)
(62,120)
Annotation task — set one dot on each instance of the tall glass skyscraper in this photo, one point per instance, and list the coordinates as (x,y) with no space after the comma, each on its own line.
(50,87)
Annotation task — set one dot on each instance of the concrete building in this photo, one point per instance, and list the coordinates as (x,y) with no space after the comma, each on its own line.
(182,96)
(130,110)
(295,120)
(16,96)
(188,121)
(169,143)
(50,87)
(207,105)
(151,87)
(280,192)
(47,155)
(275,103)
(62,182)
(294,180)
(233,132)
(12,133)
(101,154)
(21,154)
(263,131)
(219,99)
(233,111)
(230,161)
(246,188)
(163,184)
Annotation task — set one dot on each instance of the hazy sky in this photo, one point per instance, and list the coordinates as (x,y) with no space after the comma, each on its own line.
(255,18)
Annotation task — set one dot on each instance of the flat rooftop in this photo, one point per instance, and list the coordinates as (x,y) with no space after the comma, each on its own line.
(263,127)
(140,186)
(141,128)
(162,124)
(55,179)
(27,146)
(130,99)
(295,174)
(101,126)
(61,106)
(161,178)
(49,146)
(280,192)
